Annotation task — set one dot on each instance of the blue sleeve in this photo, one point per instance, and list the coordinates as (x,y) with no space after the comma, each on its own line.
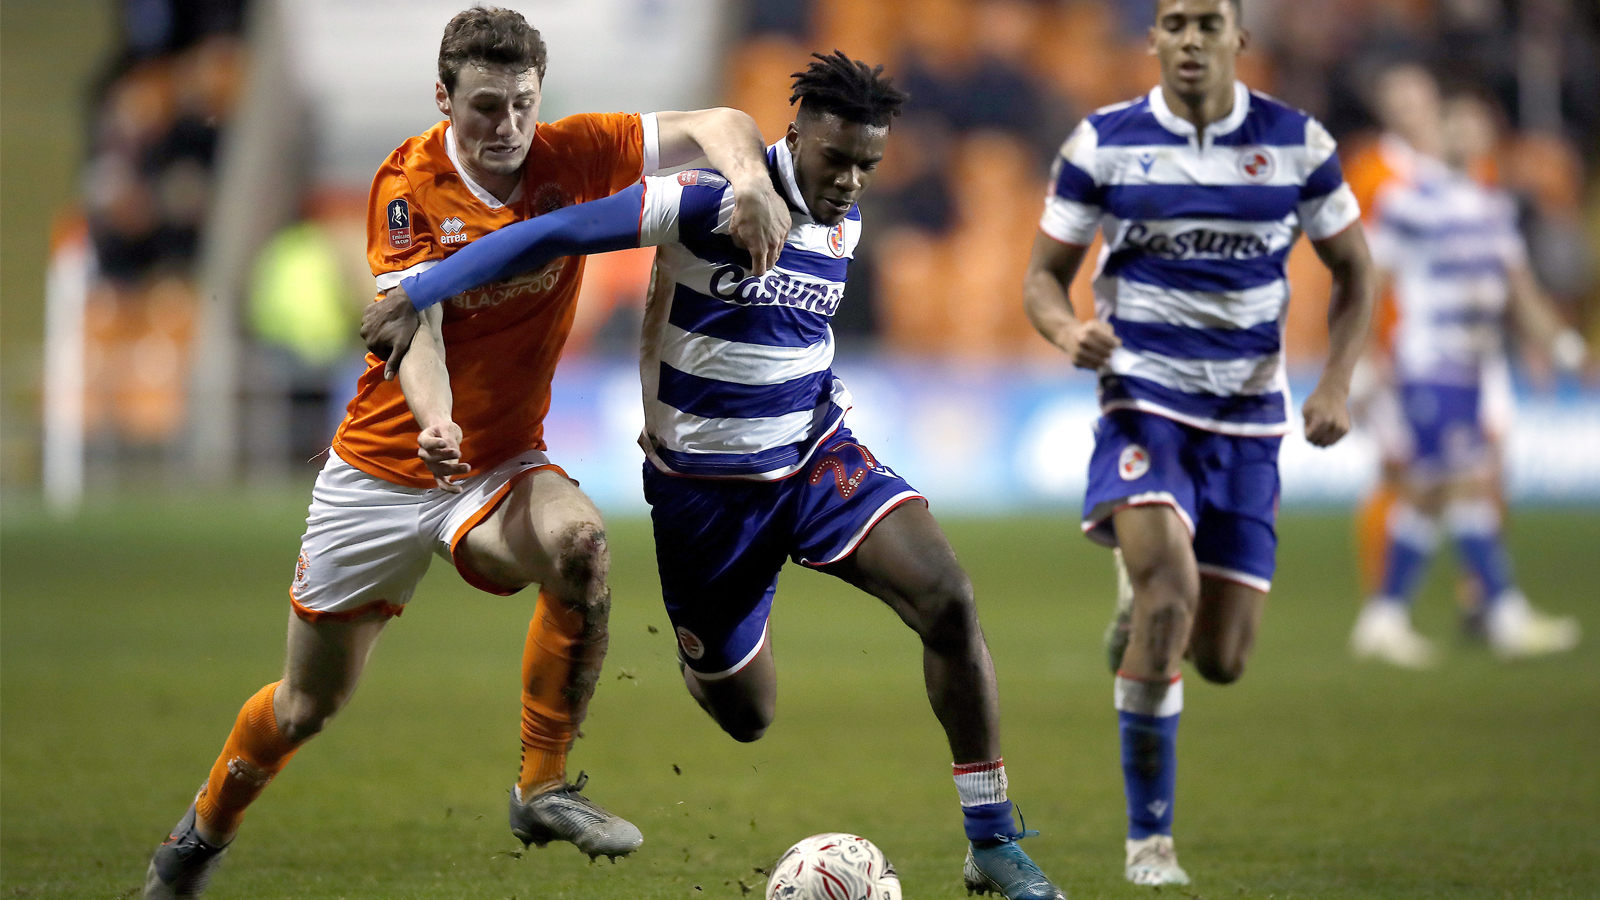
(598,226)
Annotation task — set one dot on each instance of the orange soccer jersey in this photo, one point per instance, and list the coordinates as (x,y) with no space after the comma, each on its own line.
(502,341)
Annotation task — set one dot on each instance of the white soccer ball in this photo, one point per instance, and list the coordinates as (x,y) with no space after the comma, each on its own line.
(833,867)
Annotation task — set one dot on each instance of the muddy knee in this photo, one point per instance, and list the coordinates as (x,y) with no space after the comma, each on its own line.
(583,559)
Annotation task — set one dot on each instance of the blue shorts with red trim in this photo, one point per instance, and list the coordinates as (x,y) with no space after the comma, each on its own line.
(1446,426)
(721,542)
(1223,486)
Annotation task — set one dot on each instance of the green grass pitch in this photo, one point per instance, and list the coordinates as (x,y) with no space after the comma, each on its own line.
(130,639)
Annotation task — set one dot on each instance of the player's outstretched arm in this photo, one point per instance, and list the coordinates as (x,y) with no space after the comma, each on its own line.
(1326,411)
(1051,268)
(426,384)
(598,226)
(731,143)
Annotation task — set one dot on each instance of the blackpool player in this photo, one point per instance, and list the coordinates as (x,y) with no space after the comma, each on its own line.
(1459,269)
(748,458)
(511,517)
(1200,189)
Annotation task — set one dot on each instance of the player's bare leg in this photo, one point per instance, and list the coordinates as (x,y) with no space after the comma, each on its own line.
(324,664)
(743,703)
(1224,629)
(547,532)
(1157,551)
(907,562)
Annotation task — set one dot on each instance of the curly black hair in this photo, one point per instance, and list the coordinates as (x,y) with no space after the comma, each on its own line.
(849,89)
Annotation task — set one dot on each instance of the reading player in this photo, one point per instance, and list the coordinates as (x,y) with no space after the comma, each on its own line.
(1200,189)
(748,458)
(1459,269)
(507,517)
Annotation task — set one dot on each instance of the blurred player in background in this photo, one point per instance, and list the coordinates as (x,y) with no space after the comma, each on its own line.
(1450,247)
(1200,189)
(1406,100)
(511,517)
(748,458)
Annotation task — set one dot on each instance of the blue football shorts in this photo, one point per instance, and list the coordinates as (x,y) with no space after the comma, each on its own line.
(1445,422)
(721,542)
(1224,487)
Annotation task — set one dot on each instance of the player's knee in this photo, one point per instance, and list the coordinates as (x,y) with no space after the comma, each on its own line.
(1161,582)
(947,616)
(746,723)
(582,555)
(304,715)
(1219,665)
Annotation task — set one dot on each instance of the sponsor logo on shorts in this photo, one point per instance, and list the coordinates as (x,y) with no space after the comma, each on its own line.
(836,241)
(453,231)
(399,224)
(691,645)
(1256,165)
(1134,462)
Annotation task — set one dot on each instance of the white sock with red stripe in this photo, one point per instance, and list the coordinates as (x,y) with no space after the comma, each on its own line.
(984,808)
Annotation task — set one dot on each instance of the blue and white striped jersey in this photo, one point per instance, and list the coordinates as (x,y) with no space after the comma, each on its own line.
(1197,230)
(1448,243)
(737,370)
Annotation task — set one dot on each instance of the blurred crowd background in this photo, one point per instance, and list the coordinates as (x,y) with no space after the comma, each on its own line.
(178,289)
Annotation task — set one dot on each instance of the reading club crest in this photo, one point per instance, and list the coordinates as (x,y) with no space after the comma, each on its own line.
(1256,165)
(1134,462)
(692,646)
(836,241)
(399,224)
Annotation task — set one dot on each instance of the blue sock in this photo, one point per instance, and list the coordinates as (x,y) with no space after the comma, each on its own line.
(1476,527)
(1412,539)
(1147,714)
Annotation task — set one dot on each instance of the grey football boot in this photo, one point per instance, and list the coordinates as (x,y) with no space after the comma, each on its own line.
(566,815)
(183,864)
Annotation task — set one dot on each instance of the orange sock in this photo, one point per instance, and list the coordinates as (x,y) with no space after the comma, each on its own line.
(560,666)
(254,753)
(1372,535)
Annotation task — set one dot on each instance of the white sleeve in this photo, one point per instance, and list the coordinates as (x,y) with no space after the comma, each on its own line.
(1329,211)
(652,143)
(1071,208)
(658,216)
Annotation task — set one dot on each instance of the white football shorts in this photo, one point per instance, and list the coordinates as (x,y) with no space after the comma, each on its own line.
(369,541)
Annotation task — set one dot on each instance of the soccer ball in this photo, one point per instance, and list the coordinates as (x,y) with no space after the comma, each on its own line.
(833,867)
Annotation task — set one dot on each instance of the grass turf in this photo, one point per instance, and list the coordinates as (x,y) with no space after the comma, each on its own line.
(131,637)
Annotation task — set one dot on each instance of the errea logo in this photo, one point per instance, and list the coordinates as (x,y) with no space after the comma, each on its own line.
(452,231)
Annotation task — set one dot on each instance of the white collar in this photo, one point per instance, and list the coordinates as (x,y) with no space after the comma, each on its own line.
(1177,124)
(786,177)
(478,190)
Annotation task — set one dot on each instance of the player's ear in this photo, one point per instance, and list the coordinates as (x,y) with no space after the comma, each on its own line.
(1244,39)
(441,98)
(792,137)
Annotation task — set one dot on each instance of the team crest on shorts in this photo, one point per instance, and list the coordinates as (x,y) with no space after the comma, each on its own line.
(691,645)
(836,241)
(399,224)
(301,578)
(1256,165)
(1133,463)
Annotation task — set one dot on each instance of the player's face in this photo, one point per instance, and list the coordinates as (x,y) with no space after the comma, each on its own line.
(493,111)
(834,161)
(1196,42)
(1468,131)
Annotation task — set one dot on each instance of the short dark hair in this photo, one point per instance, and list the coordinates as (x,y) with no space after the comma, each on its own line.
(1238,11)
(849,89)
(489,36)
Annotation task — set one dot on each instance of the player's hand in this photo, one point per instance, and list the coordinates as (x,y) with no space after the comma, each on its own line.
(439,448)
(387,327)
(1327,416)
(1090,344)
(760,224)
